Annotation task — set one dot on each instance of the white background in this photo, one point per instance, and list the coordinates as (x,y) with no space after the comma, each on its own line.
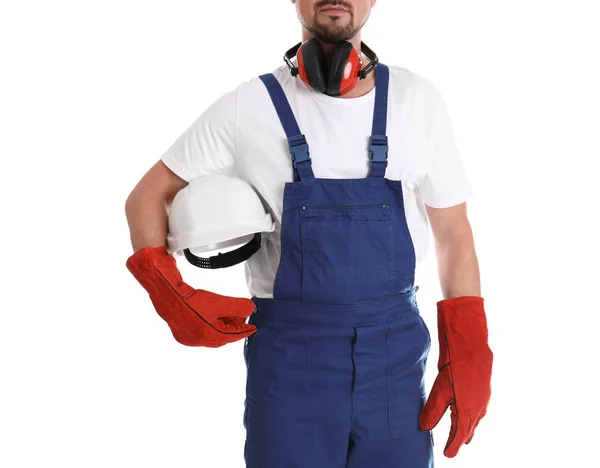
(92,93)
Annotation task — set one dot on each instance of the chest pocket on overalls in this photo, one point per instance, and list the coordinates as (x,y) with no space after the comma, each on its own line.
(348,253)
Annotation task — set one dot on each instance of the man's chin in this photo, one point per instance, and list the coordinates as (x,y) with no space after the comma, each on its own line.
(332,33)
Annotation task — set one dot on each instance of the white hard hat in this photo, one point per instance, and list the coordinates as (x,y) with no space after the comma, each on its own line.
(215,212)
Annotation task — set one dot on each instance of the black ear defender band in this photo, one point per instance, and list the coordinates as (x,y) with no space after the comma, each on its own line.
(225,260)
(289,55)
(374,60)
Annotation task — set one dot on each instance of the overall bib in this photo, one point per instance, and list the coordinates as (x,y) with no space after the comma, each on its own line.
(335,371)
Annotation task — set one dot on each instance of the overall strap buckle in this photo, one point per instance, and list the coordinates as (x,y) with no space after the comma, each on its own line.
(301,157)
(378,154)
(298,149)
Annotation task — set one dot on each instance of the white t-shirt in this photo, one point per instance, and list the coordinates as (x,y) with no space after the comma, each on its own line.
(241,135)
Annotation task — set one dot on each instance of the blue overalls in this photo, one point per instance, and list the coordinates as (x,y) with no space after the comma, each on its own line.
(335,372)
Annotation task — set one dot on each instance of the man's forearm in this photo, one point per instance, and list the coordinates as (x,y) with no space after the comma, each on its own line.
(148,220)
(458,267)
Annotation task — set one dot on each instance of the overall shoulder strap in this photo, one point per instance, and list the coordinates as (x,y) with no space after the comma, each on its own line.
(378,143)
(296,140)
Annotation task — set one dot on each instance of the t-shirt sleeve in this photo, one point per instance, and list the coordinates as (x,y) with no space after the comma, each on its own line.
(446,182)
(208,145)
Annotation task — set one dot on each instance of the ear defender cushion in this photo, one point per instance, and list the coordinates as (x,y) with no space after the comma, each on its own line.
(310,65)
(343,74)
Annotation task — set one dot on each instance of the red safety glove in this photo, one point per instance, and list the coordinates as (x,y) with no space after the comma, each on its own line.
(465,371)
(195,317)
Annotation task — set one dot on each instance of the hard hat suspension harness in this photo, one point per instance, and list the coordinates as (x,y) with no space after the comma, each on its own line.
(227,259)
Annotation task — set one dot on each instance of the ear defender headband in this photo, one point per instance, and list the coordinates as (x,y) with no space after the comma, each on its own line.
(336,78)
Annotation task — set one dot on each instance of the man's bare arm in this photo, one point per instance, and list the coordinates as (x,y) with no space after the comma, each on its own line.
(458,268)
(147,205)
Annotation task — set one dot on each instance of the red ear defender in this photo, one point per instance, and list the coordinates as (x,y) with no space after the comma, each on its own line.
(335,78)
(349,72)
(302,72)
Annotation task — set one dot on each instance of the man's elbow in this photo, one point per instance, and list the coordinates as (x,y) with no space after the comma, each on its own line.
(159,183)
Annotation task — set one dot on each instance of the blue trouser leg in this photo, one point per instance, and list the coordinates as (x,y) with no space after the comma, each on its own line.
(299,396)
(389,395)
(414,451)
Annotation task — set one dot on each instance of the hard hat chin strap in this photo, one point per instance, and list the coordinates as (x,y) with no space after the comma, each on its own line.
(224,260)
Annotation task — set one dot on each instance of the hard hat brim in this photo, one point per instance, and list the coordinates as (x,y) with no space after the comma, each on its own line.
(217,237)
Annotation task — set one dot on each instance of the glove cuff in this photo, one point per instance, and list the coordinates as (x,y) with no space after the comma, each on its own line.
(148,252)
(462,325)
(457,305)
(155,268)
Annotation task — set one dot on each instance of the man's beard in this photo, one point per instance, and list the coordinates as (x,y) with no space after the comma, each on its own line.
(333,33)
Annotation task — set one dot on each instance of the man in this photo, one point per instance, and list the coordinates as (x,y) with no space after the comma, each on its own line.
(336,348)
